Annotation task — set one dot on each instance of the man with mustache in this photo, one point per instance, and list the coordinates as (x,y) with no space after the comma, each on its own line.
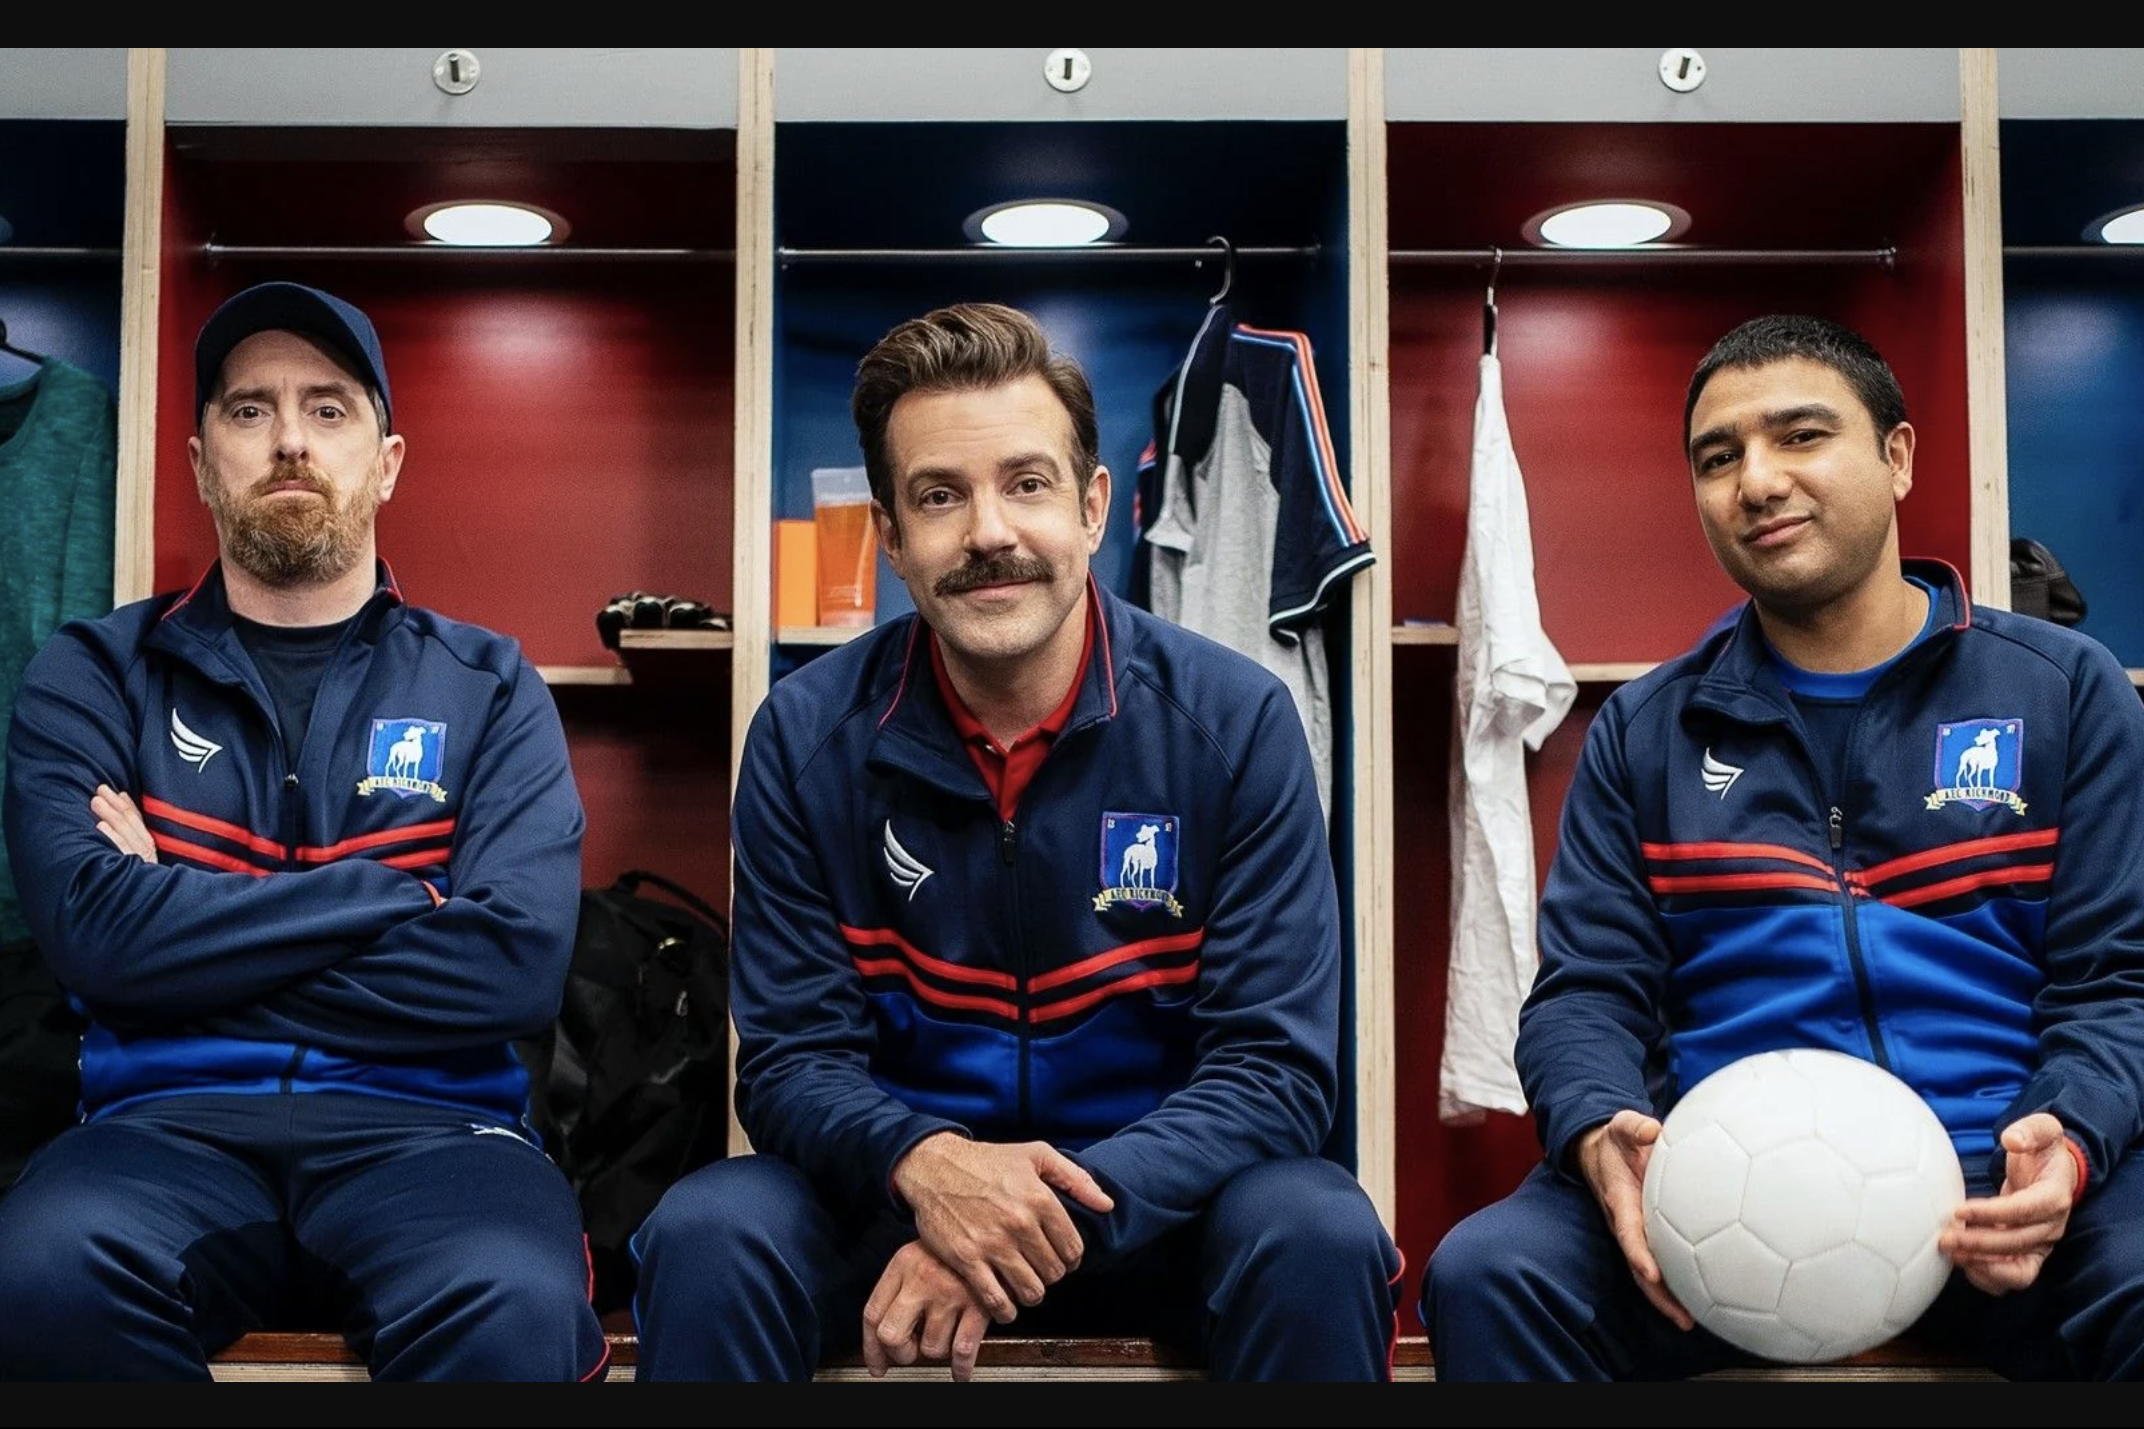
(1866,816)
(1035,950)
(308,859)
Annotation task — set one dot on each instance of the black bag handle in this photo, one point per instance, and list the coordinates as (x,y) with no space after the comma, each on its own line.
(632,878)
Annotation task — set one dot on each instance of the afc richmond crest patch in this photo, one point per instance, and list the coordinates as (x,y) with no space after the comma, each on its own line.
(405,757)
(1138,862)
(1980,763)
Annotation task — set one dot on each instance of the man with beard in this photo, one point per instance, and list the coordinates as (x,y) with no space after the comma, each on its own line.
(1867,816)
(1035,950)
(307,857)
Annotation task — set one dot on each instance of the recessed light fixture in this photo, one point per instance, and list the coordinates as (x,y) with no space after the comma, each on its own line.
(1606,223)
(2124,225)
(487,224)
(1044,223)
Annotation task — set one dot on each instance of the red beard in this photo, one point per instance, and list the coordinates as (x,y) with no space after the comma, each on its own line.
(284,542)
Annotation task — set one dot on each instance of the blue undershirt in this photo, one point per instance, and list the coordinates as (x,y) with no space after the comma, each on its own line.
(1828,702)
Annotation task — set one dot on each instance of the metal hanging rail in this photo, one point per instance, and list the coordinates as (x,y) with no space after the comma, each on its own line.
(2074,250)
(1100,252)
(1666,254)
(435,252)
(1469,257)
(55,251)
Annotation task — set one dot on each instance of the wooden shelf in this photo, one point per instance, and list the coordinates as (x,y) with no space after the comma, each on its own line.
(818,634)
(1600,673)
(638,644)
(585,674)
(631,640)
(1610,673)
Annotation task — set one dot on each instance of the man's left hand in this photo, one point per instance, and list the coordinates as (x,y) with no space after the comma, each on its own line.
(2001,1241)
(119,821)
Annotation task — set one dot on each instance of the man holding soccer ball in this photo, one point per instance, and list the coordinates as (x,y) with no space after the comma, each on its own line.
(1755,855)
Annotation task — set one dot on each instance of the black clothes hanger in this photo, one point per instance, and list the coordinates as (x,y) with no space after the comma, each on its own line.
(1228,270)
(21,352)
(1488,304)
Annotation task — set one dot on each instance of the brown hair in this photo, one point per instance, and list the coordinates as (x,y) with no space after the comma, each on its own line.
(964,348)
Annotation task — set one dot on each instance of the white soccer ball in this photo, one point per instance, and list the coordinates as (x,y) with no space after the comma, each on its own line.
(1793,1203)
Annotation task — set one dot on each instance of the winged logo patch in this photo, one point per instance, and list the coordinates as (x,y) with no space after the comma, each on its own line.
(1719,776)
(192,748)
(906,870)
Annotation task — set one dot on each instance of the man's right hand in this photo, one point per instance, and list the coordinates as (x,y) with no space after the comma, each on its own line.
(1612,1156)
(921,1310)
(990,1213)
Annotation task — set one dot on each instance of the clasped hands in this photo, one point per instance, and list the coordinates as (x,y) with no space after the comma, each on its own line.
(991,1236)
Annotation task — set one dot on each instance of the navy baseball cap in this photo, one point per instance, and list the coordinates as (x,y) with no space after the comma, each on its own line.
(295,308)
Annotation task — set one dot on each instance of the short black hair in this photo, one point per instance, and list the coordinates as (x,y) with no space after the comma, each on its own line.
(1779,336)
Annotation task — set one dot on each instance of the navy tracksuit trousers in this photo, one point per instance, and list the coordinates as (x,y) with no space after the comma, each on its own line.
(745,1273)
(442,1246)
(1534,1287)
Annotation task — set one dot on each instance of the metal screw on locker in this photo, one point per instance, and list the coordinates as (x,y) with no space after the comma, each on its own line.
(1682,70)
(456,71)
(1067,70)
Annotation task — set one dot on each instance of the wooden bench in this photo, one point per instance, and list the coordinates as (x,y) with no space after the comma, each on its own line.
(273,1356)
(269,1356)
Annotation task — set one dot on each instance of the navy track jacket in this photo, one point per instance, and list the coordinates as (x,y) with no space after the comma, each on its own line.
(1142,968)
(1969,914)
(381,911)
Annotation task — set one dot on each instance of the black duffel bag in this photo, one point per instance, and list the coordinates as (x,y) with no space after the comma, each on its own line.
(2040,586)
(629,1090)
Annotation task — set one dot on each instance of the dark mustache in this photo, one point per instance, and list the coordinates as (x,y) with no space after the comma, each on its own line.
(284,472)
(999,570)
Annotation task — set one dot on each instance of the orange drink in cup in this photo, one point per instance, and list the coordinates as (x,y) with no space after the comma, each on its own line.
(848,545)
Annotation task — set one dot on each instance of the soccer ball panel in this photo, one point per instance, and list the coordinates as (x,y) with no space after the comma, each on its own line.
(1841,1298)
(1865,1129)
(1767,1105)
(1901,1218)
(1763,1333)
(1677,1259)
(1919,1282)
(1706,1194)
(1802,1199)
(1739,1271)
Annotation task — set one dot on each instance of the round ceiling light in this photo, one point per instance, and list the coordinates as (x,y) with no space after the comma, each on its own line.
(2124,225)
(487,225)
(1611,223)
(1044,223)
